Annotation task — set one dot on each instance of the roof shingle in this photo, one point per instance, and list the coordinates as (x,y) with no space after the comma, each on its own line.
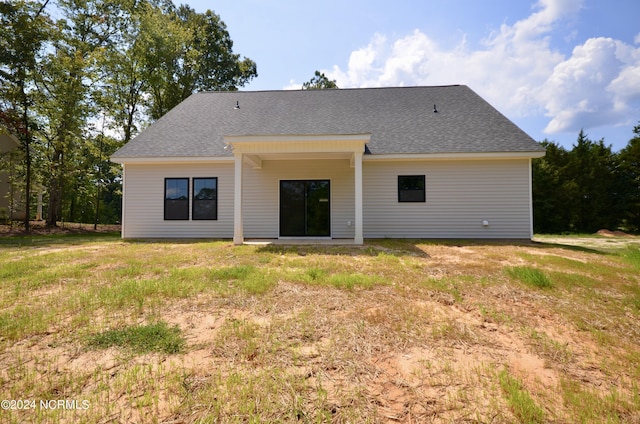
(400,120)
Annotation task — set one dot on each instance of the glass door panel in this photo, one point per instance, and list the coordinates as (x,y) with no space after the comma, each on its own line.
(305,208)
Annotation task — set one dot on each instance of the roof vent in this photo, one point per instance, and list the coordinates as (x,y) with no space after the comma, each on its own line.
(237,106)
(435,110)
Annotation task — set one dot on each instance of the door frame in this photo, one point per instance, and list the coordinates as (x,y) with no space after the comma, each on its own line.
(329,223)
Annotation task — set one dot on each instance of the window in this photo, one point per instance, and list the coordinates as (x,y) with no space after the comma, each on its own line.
(176,198)
(411,188)
(204,202)
(205,198)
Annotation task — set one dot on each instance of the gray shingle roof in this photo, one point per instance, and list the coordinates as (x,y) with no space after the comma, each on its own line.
(400,120)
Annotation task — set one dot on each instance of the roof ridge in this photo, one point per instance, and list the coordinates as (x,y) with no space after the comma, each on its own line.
(331,89)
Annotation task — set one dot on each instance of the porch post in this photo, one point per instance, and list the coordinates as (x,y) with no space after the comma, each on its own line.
(238,233)
(358,238)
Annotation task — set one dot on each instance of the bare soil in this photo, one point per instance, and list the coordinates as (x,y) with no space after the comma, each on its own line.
(604,240)
(40,228)
(424,356)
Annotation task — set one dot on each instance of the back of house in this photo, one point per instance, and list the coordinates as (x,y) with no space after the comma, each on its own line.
(404,162)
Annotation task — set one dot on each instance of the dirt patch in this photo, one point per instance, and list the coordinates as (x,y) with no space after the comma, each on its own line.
(426,346)
(40,228)
(609,233)
(601,242)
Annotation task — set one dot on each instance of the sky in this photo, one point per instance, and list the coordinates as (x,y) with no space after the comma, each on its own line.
(553,67)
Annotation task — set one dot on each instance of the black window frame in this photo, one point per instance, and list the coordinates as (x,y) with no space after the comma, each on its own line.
(195,214)
(170,203)
(406,195)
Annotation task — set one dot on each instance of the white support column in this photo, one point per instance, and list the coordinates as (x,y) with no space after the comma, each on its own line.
(358,238)
(238,233)
(123,222)
(530,201)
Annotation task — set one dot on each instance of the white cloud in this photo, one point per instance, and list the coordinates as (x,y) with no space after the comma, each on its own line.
(363,69)
(515,69)
(293,85)
(541,22)
(508,68)
(598,85)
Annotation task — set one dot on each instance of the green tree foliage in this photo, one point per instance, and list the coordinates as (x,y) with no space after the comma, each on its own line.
(629,182)
(591,165)
(65,105)
(77,87)
(549,190)
(183,52)
(122,82)
(587,188)
(319,82)
(24,29)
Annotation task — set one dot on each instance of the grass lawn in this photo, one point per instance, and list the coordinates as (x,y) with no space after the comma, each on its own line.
(96,329)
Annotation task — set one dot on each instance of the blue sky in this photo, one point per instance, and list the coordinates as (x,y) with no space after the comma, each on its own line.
(551,66)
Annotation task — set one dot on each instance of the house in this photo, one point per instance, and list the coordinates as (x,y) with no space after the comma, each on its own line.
(11,202)
(408,162)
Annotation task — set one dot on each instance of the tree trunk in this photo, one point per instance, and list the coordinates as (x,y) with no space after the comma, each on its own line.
(95,218)
(55,189)
(26,142)
(54,203)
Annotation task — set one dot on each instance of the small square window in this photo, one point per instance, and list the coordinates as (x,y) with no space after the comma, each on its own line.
(176,198)
(411,188)
(205,198)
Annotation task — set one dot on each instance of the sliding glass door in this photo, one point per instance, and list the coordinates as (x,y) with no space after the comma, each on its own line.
(305,208)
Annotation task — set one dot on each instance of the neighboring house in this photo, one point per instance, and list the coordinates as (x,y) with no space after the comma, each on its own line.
(11,202)
(414,162)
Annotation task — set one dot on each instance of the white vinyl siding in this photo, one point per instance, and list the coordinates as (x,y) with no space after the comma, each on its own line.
(460,195)
(261,194)
(143,201)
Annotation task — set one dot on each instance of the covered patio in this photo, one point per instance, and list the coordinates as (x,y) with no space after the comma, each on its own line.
(254,150)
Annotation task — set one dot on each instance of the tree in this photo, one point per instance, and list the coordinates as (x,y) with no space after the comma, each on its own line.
(209,61)
(591,169)
(65,103)
(629,182)
(577,190)
(119,62)
(122,81)
(24,28)
(550,191)
(185,52)
(319,82)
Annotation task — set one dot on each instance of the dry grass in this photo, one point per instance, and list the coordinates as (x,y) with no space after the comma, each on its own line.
(395,331)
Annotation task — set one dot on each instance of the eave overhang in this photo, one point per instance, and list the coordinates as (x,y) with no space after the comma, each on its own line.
(454,156)
(303,143)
